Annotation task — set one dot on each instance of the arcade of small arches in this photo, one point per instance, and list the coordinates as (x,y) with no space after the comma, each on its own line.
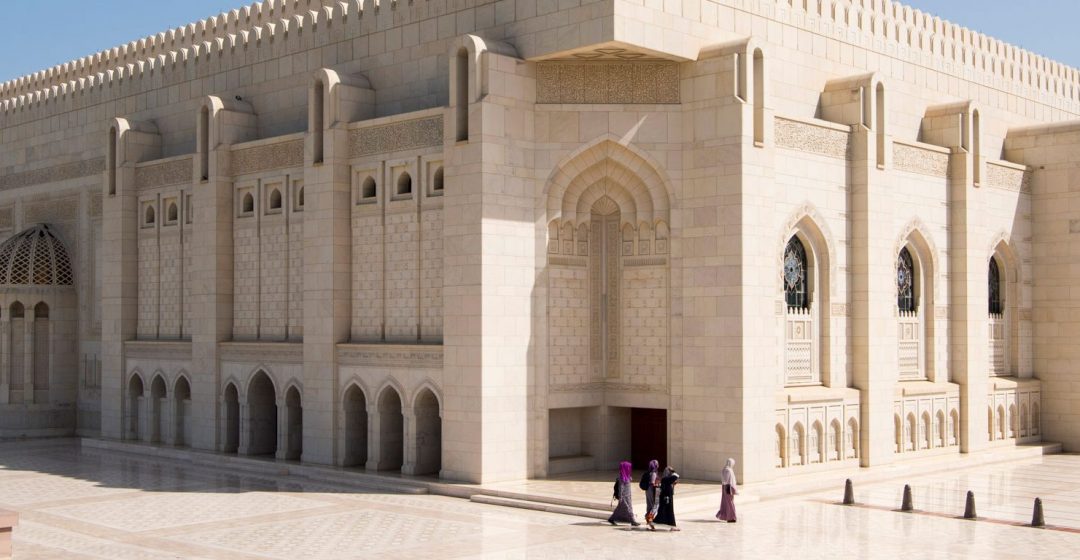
(801,438)
(815,445)
(380,431)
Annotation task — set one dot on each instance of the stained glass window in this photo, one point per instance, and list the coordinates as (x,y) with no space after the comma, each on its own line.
(994,287)
(905,281)
(795,275)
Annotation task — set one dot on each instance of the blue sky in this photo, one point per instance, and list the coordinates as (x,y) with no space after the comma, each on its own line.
(39,34)
(1045,27)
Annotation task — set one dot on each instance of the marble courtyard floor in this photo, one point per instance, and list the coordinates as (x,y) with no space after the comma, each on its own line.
(88,503)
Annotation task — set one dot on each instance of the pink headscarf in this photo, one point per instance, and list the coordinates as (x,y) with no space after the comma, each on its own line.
(624,471)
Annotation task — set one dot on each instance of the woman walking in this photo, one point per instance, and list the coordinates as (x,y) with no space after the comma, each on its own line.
(625,510)
(665,515)
(727,501)
(651,485)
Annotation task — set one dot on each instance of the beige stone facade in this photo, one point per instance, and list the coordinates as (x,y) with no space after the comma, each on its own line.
(495,240)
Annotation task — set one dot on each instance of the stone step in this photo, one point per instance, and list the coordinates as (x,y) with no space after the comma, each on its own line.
(596,505)
(264,467)
(539,506)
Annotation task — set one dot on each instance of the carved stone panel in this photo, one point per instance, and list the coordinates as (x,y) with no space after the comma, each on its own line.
(393,137)
(55,173)
(271,156)
(607,82)
(168,173)
(814,139)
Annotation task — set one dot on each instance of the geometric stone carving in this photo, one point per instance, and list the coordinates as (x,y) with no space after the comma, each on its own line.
(52,210)
(271,156)
(416,133)
(919,160)
(809,138)
(55,173)
(607,82)
(1008,178)
(386,355)
(168,173)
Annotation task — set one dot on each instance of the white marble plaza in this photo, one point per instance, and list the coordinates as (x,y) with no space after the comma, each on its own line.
(90,503)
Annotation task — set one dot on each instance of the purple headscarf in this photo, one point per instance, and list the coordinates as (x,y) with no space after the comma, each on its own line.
(654,465)
(624,471)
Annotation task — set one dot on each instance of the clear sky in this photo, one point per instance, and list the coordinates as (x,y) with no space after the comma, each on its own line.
(39,34)
(1045,27)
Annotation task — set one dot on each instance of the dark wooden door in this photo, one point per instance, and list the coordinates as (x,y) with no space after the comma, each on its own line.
(648,437)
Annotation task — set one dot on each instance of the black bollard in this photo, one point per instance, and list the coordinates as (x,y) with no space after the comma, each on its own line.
(969,509)
(849,493)
(906,505)
(1037,515)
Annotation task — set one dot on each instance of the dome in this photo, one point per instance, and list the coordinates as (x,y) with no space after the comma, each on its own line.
(35,257)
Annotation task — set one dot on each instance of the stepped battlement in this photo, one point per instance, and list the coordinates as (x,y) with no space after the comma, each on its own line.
(883,26)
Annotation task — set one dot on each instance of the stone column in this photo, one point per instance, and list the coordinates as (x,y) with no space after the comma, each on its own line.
(282,418)
(145,420)
(872,277)
(28,355)
(171,411)
(968,270)
(409,455)
(128,142)
(489,273)
(5,358)
(226,121)
(374,440)
(244,447)
(333,101)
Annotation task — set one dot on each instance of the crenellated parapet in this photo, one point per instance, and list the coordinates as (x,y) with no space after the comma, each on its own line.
(896,29)
(229,34)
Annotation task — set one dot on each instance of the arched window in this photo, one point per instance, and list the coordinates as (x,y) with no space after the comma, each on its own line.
(461,97)
(149,217)
(905,281)
(300,199)
(795,275)
(317,122)
(172,213)
(437,182)
(994,287)
(368,190)
(248,204)
(275,199)
(404,184)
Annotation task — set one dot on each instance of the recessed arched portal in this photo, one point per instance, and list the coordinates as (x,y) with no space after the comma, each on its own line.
(262,416)
(428,434)
(182,412)
(391,431)
(294,425)
(231,439)
(356,428)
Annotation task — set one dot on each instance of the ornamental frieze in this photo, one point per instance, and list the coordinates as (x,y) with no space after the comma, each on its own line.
(259,352)
(166,173)
(158,349)
(63,172)
(393,137)
(811,138)
(1008,178)
(621,83)
(279,155)
(920,160)
(390,355)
